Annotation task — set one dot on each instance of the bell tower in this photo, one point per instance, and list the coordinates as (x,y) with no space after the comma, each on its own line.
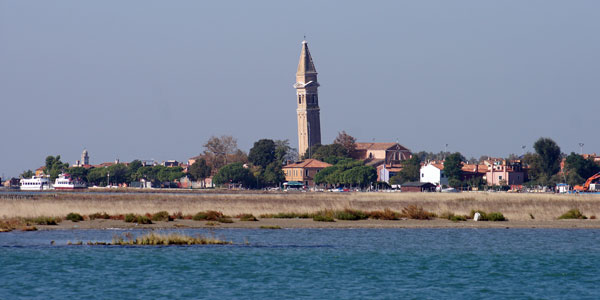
(307,98)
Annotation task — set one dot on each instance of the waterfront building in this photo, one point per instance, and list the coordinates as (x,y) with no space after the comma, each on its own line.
(304,171)
(307,97)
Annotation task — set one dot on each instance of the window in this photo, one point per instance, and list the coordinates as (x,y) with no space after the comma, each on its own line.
(422,175)
(500,177)
(299,99)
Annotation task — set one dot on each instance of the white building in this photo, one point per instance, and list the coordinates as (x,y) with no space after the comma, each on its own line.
(433,173)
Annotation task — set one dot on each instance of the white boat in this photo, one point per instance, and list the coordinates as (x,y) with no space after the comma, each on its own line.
(35,183)
(66,182)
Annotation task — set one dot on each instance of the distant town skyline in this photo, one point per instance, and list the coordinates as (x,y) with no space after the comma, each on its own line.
(154,80)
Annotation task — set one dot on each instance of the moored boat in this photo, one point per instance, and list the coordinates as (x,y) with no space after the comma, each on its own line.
(35,183)
(66,182)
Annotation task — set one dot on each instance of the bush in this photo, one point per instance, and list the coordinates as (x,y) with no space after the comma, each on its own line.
(212,215)
(573,214)
(495,216)
(483,215)
(161,216)
(132,218)
(350,215)
(324,216)
(98,216)
(247,217)
(457,218)
(417,213)
(74,217)
(45,220)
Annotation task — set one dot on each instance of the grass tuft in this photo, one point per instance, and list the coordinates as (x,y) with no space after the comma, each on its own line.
(44,220)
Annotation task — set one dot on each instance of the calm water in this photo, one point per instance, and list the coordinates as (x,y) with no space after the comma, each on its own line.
(308,263)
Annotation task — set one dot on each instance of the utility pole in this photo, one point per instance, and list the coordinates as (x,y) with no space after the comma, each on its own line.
(581,147)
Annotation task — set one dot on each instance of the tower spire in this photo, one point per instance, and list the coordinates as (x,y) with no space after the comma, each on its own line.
(305,65)
(309,124)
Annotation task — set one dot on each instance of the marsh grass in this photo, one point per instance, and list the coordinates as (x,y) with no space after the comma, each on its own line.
(324,216)
(572,214)
(417,213)
(287,215)
(350,215)
(270,227)
(247,217)
(157,239)
(386,214)
(514,206)
(44,220)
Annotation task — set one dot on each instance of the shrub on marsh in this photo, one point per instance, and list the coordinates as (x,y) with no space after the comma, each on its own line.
(74,217)
(350,215)
(132,218)
(44,220)
(212,215)
(98,215)
(457,218)
(573,214)
(482,215)
(496,216)
(417,213)
(287,215)
(161,216)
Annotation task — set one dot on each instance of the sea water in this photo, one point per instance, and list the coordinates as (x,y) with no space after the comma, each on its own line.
(307,263)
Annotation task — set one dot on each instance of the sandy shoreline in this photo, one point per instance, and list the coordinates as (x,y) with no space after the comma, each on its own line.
(309,223)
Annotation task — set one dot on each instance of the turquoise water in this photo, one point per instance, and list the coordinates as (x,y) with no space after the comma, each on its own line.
(308,263)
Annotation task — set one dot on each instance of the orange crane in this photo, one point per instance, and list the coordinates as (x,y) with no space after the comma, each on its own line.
(586,185)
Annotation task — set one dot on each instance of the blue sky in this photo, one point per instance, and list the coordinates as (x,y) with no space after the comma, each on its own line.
(155,79)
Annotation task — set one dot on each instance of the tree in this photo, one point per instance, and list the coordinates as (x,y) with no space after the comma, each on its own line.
(27,174)
(219,148)
(579,168)
(549,159)
(78,172)
(132,169)
(347,141)
(349,172)
(411,170)
(97,176)
(235,173)
(284,152)
(453,168)
(199,170)
(262,153)
(323,152)
(272,174)
(54,166)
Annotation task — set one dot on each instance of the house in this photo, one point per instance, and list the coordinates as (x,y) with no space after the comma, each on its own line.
(417,187)
(473,171)
(387,171)
(170,163)
(504,172)
(304,171)
(381,152)
(433,173)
